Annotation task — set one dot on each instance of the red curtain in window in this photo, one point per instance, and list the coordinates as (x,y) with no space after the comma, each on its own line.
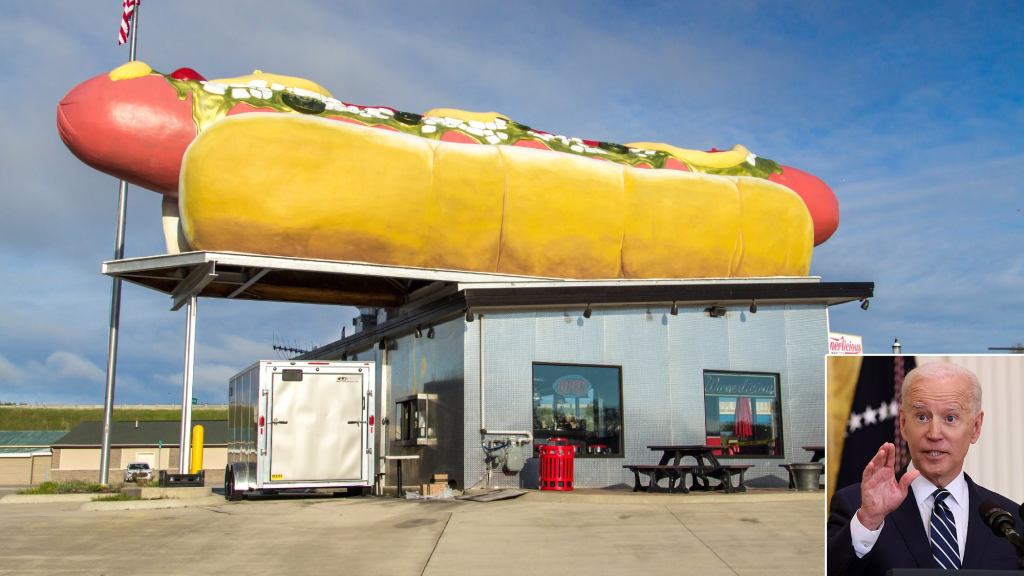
(744,418)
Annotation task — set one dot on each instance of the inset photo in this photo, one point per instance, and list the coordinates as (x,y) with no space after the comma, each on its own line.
(925,466)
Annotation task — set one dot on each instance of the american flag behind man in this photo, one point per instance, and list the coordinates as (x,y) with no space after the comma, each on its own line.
(864,401)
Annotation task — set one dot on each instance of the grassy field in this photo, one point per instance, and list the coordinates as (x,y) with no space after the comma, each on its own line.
(41,418)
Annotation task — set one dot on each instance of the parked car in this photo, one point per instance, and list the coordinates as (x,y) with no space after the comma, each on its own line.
(137,471)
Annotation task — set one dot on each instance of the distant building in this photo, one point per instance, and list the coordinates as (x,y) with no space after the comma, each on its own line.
(76,455)
(25,456)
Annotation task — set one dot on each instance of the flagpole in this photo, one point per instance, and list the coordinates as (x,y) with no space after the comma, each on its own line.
(115,294)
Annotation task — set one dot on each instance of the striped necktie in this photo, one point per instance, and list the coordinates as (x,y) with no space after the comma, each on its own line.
(943,533)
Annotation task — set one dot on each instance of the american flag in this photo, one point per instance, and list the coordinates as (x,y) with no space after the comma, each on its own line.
(899,372)
(128,7)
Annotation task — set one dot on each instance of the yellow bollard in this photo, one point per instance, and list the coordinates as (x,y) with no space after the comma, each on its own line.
(197,449)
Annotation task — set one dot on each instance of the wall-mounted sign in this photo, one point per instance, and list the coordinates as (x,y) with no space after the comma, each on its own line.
(572,385)
(733,384)
(844,344)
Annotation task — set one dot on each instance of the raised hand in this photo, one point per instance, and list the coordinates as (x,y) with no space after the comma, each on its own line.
(880,494)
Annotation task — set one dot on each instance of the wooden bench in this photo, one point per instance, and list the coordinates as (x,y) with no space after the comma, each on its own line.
(676,476)
(724,473)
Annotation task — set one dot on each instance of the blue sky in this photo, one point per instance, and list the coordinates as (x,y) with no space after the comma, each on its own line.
(913,112)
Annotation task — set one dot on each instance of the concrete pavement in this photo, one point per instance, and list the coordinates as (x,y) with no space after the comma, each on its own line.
(591,532)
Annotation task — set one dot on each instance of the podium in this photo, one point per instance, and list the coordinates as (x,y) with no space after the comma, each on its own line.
(940,572)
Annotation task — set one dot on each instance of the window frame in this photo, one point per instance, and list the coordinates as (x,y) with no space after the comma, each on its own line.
(407,412)
(781,455)
(622,410)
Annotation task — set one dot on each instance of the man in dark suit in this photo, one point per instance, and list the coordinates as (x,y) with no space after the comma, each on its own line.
(874,526)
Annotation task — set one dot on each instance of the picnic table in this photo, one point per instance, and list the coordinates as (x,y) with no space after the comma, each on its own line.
(817,455)
(817,452)
(398,461)
(672,466)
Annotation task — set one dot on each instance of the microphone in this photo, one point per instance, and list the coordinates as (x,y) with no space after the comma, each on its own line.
(1001,523)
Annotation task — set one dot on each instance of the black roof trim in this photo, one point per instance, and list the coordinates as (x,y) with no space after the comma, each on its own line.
(89,433)
(775,292)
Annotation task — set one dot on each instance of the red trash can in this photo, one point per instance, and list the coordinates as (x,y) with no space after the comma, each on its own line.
(557,465)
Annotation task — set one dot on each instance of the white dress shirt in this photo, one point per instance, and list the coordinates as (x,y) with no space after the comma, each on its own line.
(957,501)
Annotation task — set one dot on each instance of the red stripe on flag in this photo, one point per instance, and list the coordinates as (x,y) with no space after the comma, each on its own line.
(127,8)
(902,451)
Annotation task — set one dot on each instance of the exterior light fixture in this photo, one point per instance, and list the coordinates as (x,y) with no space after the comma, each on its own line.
(469,315)
(674,310)
(430,332)
(417,333)
(587,311)
(753,306)
(864,303)
(715,311)
(382,345)
(897,348)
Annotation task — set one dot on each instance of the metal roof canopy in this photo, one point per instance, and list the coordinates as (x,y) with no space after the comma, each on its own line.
(239,276)
(276,278)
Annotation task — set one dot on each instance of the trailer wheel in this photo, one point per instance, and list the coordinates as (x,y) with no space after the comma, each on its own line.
(229,486)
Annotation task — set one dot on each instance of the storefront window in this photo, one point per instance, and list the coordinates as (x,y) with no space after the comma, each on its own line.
(743,413)
(580,404)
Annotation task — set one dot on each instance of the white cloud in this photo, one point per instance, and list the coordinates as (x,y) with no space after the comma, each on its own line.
(9,373)
(66,366)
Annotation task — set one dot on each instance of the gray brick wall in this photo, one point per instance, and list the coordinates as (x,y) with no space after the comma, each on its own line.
(662,358)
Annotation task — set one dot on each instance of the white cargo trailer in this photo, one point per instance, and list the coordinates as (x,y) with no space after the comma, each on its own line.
(294,425)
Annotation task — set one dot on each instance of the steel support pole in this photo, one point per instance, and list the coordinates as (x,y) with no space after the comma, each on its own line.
(186,393)
(115,298)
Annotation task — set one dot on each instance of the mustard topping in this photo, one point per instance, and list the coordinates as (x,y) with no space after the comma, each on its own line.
(726,159)
(269,78)
(131,70)
(464,115)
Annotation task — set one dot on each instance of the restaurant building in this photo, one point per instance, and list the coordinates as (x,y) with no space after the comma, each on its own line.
(474,370)
(468,374)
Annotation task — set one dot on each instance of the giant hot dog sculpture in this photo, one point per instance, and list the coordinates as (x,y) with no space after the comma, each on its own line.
(315,177)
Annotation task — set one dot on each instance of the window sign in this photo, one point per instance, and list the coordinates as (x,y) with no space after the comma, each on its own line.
(579,404)
(743,413)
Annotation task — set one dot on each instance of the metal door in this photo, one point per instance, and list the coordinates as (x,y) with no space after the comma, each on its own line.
(147,457)
(317,424)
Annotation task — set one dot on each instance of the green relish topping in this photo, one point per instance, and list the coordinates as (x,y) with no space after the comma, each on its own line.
(211,101)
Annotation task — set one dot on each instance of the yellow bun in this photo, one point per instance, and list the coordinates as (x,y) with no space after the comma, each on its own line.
(315,188)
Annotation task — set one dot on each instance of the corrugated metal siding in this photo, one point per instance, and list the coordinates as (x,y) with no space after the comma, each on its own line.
(430,365)
(30,437)
(995,461)
(662,359)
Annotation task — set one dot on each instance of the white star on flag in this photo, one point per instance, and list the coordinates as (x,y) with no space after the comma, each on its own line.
(870,416)
(855,422)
